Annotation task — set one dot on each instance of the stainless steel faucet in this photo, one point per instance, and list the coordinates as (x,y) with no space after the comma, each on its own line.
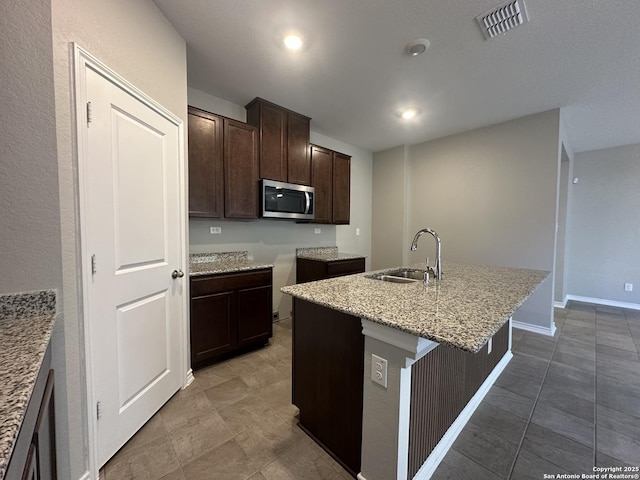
(437,271)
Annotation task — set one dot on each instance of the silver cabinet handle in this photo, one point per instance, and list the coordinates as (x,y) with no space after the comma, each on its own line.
(177,274)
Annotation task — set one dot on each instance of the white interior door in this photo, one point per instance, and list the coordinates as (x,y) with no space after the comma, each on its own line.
(133,234)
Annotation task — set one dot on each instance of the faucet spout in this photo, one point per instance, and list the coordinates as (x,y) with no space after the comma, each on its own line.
(414,246)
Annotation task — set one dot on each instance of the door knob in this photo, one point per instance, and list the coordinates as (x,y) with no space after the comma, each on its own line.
(177,274)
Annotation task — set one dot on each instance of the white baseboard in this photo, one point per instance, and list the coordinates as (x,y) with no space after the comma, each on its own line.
(190,378)
(561,304)
(441,449)
(549,331)
(603,301)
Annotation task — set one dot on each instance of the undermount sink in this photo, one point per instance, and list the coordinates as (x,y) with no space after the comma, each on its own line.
(401,275)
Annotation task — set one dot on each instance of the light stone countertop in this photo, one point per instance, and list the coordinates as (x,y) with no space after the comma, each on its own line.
(325,254)
(223,262)
(466,308)
(26,323)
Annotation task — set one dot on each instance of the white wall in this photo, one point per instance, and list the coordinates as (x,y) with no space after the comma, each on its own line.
(389,242)
(275,241)
(603,248)
(135,40)
(490,194)
(29,204)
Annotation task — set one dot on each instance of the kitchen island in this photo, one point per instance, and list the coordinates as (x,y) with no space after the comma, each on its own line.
(442,347)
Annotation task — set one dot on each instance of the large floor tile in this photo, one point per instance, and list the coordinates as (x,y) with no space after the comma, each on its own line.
(302,462)
(486,448)
(536,345)
(499,422)
(150,461)
(619,422)
(510,402)
(558,449)
(199,435)
(617,340)
(184,406)
(575,381)
(228,462)
(227,393)
(555,396)
(564,423)
(523,375)
(618,446)
(604,460)
(531,467)
(456,466)
(617,395)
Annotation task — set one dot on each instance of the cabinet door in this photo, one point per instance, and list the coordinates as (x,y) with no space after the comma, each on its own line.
(213,326)
(321,180)
(206,183)
(273,142)
(254,315)
(298,164)
(240,170)
(44,436)
(341,188)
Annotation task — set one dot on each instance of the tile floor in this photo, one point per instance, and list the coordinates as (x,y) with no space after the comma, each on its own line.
(562,405)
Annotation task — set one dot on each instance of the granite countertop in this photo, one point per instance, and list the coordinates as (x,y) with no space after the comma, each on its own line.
(223,262)
(26,323)
(325,254)
(466,308)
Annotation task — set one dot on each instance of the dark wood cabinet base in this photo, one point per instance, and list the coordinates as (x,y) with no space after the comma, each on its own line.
(328,369)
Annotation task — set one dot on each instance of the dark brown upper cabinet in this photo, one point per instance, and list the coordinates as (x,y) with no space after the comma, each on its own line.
(206,182)
(331,178)
(283,142)
(240,170)
(223,167)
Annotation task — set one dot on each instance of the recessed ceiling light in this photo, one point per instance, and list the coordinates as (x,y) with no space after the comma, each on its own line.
(417,47)
(293,42)
(409,113)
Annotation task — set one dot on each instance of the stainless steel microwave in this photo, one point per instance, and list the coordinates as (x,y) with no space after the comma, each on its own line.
(286,200)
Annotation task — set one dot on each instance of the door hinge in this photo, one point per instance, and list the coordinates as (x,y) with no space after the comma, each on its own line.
(88,113)
(94,267)
(98,410)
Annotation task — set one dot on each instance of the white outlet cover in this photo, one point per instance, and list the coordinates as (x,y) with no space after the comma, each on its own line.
(317,230)
(379,370)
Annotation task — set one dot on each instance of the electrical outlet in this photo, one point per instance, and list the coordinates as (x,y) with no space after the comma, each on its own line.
(215,230)
(276,316)
(490,346)
(357,232)
(628,287)
(317,230)
(379,370)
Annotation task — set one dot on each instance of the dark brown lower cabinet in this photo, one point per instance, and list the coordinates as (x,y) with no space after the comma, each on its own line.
(230,313)
(328,369)
(34,453)
(328,375)
(310,270)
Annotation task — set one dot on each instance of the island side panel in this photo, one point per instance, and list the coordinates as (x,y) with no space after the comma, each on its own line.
(442,383)
(328,369)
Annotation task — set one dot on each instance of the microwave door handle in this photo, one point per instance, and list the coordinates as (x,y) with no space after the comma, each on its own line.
(308,200)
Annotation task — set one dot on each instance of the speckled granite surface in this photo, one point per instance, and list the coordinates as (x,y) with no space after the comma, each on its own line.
(223,262)
(325,254)
(463,310)
(26,322)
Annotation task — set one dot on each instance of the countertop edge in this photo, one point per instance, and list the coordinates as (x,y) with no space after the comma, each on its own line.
(477,344)
(12,412)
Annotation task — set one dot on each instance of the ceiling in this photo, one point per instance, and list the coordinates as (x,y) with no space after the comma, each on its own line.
(353,77)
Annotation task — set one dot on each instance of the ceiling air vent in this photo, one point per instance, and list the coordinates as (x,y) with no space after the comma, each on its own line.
(501,19)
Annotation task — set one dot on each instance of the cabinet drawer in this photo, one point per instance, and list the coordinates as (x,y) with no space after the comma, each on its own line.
(225,282)
(342,267)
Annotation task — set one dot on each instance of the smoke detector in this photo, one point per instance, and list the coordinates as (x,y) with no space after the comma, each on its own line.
(501,19)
